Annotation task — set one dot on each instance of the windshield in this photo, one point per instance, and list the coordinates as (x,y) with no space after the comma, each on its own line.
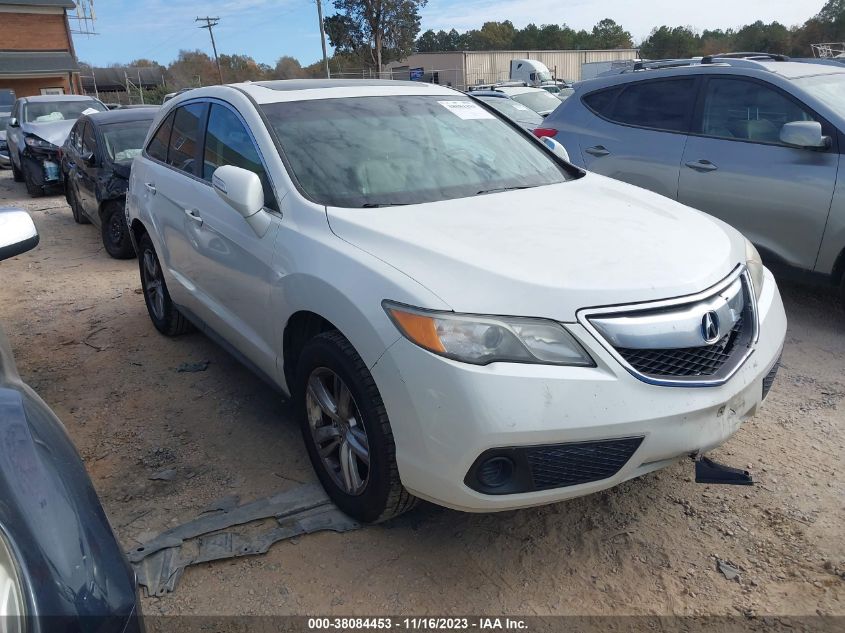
(544,75)
(381,151)
(514,110)
(45,111)
(829,89)
(123,141)
(538,100)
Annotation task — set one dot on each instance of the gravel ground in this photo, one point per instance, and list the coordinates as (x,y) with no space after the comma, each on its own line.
(83,340)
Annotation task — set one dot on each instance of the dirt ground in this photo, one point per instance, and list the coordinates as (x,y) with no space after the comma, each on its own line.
(83,340)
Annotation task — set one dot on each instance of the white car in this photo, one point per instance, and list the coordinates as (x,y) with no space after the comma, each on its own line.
(459,314)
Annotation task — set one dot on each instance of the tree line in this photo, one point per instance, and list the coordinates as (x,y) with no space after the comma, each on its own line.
(663,41)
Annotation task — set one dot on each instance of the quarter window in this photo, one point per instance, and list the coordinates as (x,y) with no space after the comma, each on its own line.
(747,111)
(89,140)
(662,105)
(158,144)
(600,102)
(227,142)
(184,139)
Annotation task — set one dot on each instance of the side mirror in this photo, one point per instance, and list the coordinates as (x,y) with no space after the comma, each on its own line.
(241,189)
(805,134)
(17,232)
(556,148)
(88,159)
(13,122)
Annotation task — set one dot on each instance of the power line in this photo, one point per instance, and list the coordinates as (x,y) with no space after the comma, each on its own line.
(210,23)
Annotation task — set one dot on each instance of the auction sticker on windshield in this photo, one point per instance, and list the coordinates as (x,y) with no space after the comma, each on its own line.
(466,109)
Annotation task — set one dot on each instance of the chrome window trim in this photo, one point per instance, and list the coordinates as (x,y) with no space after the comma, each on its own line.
(583,316)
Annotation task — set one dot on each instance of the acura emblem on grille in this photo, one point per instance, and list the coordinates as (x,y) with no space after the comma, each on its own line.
(710,327)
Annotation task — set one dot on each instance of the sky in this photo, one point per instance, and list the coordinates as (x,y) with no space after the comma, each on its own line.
(268,29)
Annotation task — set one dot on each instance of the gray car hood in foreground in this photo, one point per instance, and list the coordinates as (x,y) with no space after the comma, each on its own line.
(549,251)
(54,132)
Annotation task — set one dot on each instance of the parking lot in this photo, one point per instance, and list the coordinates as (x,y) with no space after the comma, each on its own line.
(83,340)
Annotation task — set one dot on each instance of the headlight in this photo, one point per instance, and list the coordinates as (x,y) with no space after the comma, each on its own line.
(482,340)
(755,268)
(12,609)
(38,143)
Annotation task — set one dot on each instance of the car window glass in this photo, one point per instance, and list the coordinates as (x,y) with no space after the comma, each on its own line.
(89,140)
(662,105)
(748,111)
(158,144)
(601,101)
(46,111)
(184,139)
(227,142)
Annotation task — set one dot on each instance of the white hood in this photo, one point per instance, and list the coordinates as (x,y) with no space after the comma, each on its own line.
(548,251)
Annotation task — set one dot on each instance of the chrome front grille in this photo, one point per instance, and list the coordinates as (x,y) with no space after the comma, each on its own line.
(704,360)
(695,341)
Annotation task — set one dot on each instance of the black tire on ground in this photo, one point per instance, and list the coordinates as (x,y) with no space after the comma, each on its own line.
(73,201)
(114,231)
(32,187)
(383,496)
(17,174)
(164,315)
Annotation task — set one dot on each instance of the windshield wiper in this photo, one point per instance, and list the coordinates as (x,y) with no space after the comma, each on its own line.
(500,189)
(376,205)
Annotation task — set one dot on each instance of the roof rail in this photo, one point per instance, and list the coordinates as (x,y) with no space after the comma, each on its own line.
(647,64)
(775,57)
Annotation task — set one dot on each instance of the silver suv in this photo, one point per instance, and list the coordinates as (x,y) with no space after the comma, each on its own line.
(755,142)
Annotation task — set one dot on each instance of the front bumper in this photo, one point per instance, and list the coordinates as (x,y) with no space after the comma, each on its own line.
(445,414)
(46,166)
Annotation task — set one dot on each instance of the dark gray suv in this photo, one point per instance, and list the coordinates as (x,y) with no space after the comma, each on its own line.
(755,142)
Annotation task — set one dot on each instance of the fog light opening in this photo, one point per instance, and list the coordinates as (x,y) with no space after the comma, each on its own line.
(495,472)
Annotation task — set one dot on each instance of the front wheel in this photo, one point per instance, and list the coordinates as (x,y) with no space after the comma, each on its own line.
(164,315)
(33,188)
(347,431)
(115,232)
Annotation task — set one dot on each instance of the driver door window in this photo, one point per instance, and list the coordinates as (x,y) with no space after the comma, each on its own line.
(747,111)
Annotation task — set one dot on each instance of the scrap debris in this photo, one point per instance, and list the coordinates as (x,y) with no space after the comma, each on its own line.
(160,562)
(190,368)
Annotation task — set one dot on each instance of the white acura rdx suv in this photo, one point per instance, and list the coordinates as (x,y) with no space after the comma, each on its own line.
(459,314)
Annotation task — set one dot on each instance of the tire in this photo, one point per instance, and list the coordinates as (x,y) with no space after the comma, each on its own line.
(115,233)
(17,174)
(78,216)
(374,493)
(165,316)
(32,187)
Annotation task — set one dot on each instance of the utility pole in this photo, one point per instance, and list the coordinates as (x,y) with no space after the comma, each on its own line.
(210,23)
(323,38)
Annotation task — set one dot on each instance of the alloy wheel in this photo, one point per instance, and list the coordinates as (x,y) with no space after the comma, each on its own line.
(115,229)
(153,284)
(338,430)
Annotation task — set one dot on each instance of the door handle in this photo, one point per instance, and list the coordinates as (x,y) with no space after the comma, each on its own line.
(598,150)
(150,187)
(194,214)
(701,165)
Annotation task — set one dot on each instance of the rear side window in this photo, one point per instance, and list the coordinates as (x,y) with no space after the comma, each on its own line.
(89,140)
(227,142)
(662,105)
(158,144)
(600,102)
(185,137)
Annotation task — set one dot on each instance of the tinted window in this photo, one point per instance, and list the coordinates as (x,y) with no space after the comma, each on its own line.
(539,100)
(89,140)
(381,151)
(663,105)
(228,143)
(75,137)
(601,101)
(185,137)
(158,144)
(747,110)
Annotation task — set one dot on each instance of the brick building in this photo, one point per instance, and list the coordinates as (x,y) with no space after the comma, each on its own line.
(36,48)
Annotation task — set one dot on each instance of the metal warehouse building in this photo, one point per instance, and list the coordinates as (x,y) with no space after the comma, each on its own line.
(461,69)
